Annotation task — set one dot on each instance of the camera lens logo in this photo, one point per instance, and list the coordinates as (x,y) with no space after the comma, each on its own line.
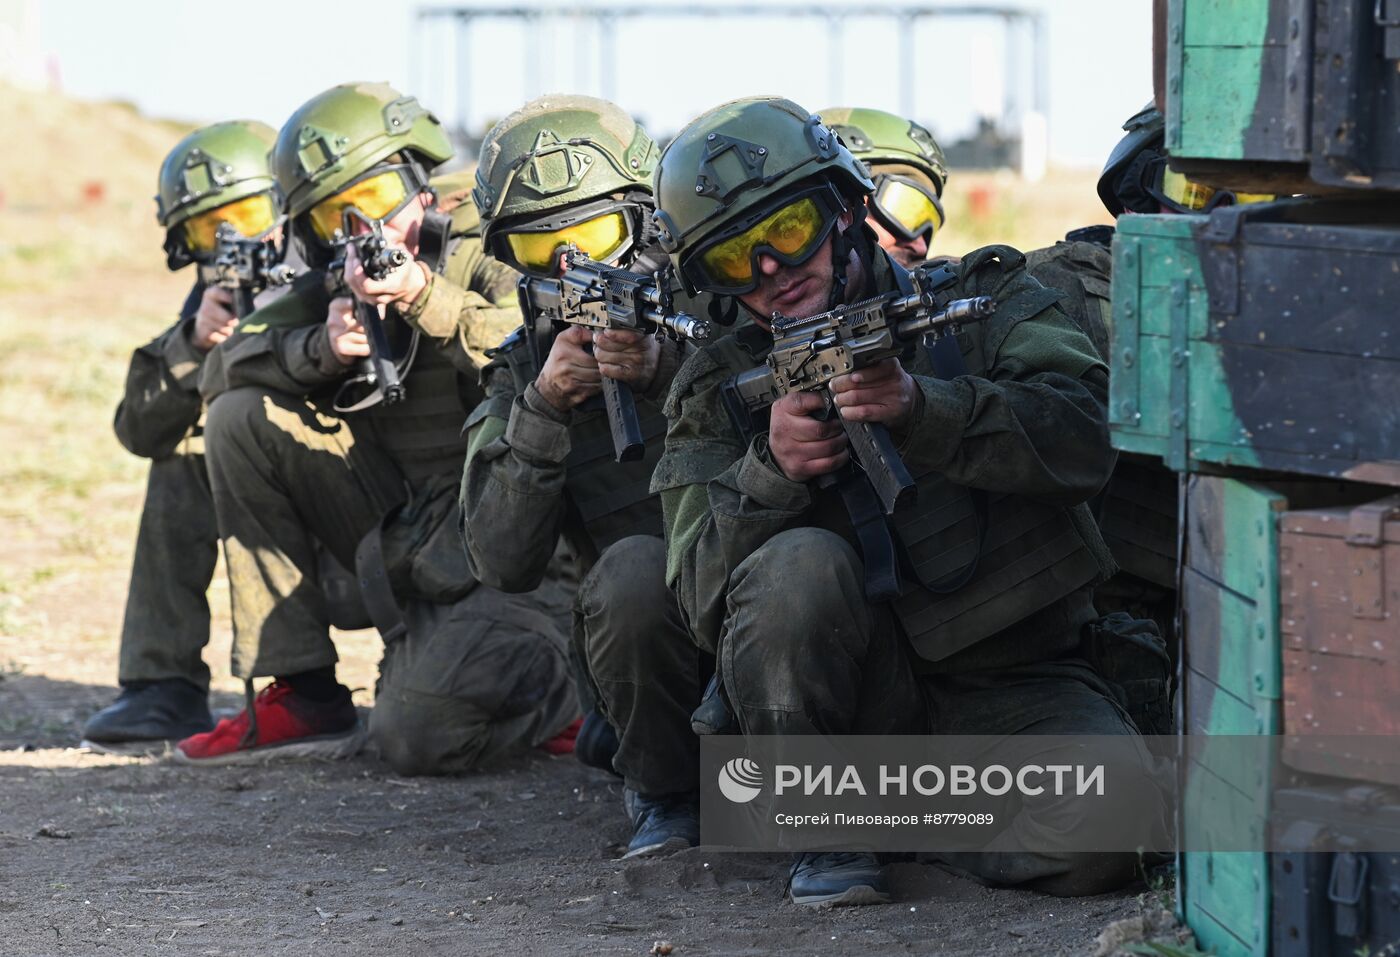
(740,780)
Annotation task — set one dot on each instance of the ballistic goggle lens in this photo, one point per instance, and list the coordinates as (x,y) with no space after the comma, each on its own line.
(794,232)
(377,197)
(909,207)
(597,238)
(1185,195)
(251,216)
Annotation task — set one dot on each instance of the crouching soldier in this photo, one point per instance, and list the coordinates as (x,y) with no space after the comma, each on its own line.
(304,440)
(1004,430)
(575,171)
(215,177)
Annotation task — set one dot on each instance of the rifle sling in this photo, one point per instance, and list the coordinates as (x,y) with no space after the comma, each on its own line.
(342,404)
(877,545)
(383,608)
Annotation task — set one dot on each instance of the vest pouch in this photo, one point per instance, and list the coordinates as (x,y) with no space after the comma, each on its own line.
(612,500)
(1031,555)
(1131,655)
(423,551)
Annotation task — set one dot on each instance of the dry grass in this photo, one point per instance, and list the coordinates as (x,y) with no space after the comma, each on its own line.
(999,207)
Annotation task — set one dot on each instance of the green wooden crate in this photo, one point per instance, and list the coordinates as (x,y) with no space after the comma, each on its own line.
(1262,95)
(1260,336)
(1232,687)
(1232,580)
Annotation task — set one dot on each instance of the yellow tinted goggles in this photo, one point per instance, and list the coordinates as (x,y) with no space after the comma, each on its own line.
(597,238)
(791,234)
(250,216)
(907,208)
(1183,194)
(377,197)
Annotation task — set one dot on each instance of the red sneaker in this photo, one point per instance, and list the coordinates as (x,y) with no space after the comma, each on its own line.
(289,727)
(563,742)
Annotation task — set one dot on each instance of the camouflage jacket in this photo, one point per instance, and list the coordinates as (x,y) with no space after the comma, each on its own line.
(1083,271)
(1035,426)
(161,407)
(516,498)
(468,307)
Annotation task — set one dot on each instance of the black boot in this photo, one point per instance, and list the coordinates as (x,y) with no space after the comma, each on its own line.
(596,743)
(150,712)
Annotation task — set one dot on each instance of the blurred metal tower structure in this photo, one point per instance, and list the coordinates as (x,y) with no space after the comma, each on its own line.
(1025,94)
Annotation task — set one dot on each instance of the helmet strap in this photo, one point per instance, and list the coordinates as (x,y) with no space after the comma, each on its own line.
(843,243)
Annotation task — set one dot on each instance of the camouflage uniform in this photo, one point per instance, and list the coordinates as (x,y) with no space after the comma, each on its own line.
(166,624)
(1137,509)
(476,671)
(1006,443)
(536,475)
(214,180)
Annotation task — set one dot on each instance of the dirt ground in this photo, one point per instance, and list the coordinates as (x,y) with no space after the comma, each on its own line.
(138,856)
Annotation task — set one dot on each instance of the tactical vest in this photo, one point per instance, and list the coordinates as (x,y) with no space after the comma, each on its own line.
(970,572)
(1082,270)
(1137,508)
(423,433)
(606,500)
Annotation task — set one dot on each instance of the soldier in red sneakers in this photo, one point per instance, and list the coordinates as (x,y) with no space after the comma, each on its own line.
(301,446)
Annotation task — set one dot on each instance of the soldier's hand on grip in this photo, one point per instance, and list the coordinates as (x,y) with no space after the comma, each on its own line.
(805,447)
(882,393)
(629,357)
(402,285)
(570,374)
(347,337)
(215,320)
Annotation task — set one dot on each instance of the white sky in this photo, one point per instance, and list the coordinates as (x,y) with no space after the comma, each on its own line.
(206,62)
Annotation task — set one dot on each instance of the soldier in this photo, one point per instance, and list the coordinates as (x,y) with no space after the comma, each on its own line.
(576,170)
(467,671)
(215,175)
(1007,437)
(907,167)
(1137,510)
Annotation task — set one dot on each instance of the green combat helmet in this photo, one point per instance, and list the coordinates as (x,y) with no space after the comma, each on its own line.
(878,138)
(1121,182)
(731,167)
(213,167)
(906,164)
(558,161)
(339,135)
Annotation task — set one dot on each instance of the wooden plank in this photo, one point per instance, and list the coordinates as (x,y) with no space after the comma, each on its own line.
(1211,709)
(1219,88)
(1237,23)
(1339,604)
(1226,891)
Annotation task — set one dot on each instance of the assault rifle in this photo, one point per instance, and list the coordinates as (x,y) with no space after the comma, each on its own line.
(606,297)
(378,259)
(808,353)
(245,266)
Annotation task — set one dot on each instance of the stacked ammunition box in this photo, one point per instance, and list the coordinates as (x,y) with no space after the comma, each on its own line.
(1256,352)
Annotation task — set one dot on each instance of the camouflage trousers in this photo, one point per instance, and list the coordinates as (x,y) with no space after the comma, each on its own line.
(166,624)
(477,672)
(643,669)
(802,652)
